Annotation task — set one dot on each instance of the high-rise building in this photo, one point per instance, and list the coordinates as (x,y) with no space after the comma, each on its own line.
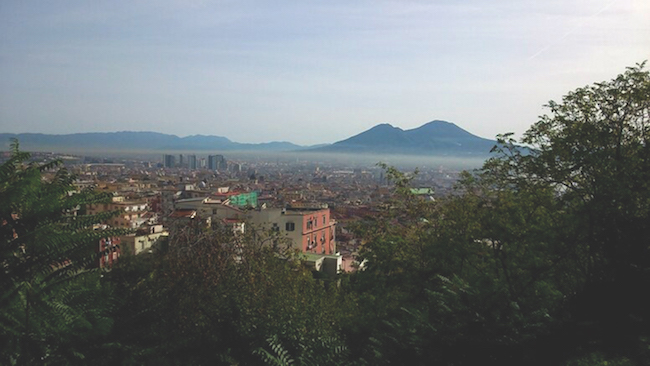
(216,162)
(191,162)
(212,162)
(181,161)
(169,161)
(221,162)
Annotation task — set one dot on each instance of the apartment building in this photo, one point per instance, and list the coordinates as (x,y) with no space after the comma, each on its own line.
(310,228)
(133,213)
(143,240)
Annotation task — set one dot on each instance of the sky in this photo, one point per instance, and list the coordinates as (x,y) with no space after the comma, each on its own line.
(308,72)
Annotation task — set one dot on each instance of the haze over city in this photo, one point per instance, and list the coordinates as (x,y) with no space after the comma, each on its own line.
(305,72)
(195,182)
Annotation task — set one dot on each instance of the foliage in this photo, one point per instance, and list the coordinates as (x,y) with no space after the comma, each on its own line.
(49,296)
(476,270)
(598,359)
(541,254)
(593,152)
(324,351)
(216,297)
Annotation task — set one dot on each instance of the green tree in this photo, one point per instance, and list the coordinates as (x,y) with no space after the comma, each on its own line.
(542,254)
(593,151)
(51,302)
(218,298)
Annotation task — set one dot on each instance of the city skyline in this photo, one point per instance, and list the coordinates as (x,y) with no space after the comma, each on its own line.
(307,72)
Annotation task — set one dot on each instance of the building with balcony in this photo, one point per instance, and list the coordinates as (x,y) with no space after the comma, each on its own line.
(133,213)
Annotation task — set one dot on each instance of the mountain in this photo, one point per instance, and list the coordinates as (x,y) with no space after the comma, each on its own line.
(381,135)
(438,138)
(134,141)
(433,138)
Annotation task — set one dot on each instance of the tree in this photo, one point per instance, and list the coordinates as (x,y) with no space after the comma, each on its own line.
(592,154)
(542,255)
(482,270)
(51,301)
(218,298)
(593,150)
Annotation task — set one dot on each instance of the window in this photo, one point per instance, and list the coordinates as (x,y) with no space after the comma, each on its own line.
(290,226)
(324,220)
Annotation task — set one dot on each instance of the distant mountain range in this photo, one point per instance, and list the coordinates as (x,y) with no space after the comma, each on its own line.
(136,141)
(433,138)
(438,138)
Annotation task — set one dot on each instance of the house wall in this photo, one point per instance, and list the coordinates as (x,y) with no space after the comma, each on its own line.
(318,232)
(311,231)
(142,243)
(131,216)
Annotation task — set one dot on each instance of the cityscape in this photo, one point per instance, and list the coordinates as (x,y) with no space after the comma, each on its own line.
(305,183)
(211,190)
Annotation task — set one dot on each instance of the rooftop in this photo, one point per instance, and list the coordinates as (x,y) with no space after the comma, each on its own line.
(183,214)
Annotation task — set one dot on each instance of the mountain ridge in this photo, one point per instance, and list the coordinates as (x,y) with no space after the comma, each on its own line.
(436,138)
(433,138)
(137,140)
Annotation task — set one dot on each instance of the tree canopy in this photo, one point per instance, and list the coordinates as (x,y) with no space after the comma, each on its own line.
(540,256)
(51,304)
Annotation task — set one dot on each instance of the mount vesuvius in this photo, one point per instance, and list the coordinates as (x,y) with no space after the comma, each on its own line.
(433,138)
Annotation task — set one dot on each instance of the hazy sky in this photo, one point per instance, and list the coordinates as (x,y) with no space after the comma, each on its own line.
(304,71)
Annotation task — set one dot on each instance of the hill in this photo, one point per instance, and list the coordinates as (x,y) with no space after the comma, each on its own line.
(433,138)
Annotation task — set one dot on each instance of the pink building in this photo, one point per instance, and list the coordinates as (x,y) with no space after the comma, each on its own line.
(317,231)
(311,230)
